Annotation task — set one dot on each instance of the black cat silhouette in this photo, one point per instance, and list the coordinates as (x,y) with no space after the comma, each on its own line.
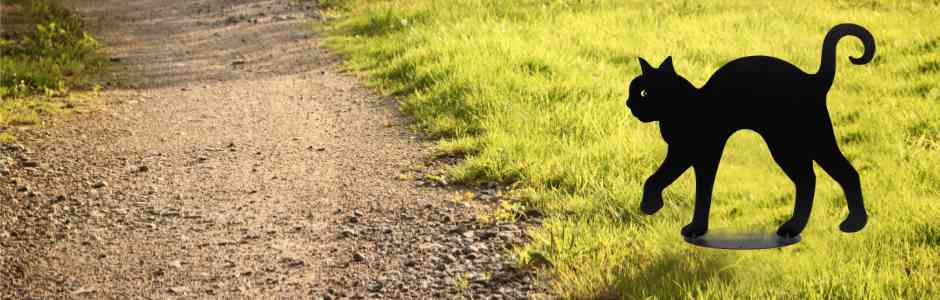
(772,97)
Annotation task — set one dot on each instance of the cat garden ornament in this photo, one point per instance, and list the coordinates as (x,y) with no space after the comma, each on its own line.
(772,97)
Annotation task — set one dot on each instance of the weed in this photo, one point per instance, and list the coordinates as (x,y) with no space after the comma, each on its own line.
(47,59)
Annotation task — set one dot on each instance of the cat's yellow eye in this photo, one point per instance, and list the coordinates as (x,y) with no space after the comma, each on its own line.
(643,93)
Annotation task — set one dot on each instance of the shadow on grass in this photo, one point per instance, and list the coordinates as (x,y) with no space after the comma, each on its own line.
(676,275)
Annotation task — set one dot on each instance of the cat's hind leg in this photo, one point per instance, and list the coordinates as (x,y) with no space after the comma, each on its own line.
(830,158)
(672,167)
(798,166)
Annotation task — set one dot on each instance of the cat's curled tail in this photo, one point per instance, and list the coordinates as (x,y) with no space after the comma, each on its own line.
(827,68)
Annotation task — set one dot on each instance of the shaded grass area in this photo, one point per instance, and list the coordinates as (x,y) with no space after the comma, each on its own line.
(532,92)
(44,57)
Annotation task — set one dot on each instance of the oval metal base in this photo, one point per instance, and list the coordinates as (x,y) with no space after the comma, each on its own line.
(742,240)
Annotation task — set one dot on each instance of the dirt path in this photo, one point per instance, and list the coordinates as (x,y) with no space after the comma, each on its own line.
(235,161)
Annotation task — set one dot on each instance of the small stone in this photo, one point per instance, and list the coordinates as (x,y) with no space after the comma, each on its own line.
(506,235)
(176,264)
(23,188)
(348,233)
(100,184)
(294,263)
(447,258)
(143,169)
(430,246)
(83,290)
(358,257)
(179,290)
(474,248)
(30,164)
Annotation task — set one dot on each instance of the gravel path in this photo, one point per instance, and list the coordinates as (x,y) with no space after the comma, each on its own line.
(235,160)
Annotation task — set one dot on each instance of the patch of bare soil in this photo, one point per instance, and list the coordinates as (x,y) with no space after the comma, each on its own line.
(236,161)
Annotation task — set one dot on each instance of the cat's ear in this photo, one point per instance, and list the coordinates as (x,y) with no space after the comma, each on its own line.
(666,66)
(645,66)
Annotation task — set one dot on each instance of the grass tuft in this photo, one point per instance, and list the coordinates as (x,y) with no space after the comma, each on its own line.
(44,57)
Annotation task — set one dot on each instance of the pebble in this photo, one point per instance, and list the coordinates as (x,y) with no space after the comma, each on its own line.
(176,264)
(347,233)
(83,290)
(506,235)
(99,184)
(358,257)
(295,263)
(447,258)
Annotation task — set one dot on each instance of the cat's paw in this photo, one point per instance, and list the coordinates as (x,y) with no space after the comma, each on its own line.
(791,228)
(854,223)
(650,205)
(694,230)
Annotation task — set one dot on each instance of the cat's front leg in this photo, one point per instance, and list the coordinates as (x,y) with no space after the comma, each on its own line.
(706,168)
(672,167)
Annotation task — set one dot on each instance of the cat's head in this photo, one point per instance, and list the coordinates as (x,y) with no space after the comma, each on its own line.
(656,91)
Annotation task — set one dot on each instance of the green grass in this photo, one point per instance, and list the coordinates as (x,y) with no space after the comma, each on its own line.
(47,58)
(532,92)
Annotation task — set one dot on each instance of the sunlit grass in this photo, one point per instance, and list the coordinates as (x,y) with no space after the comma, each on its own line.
(48,58)
(533,93)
